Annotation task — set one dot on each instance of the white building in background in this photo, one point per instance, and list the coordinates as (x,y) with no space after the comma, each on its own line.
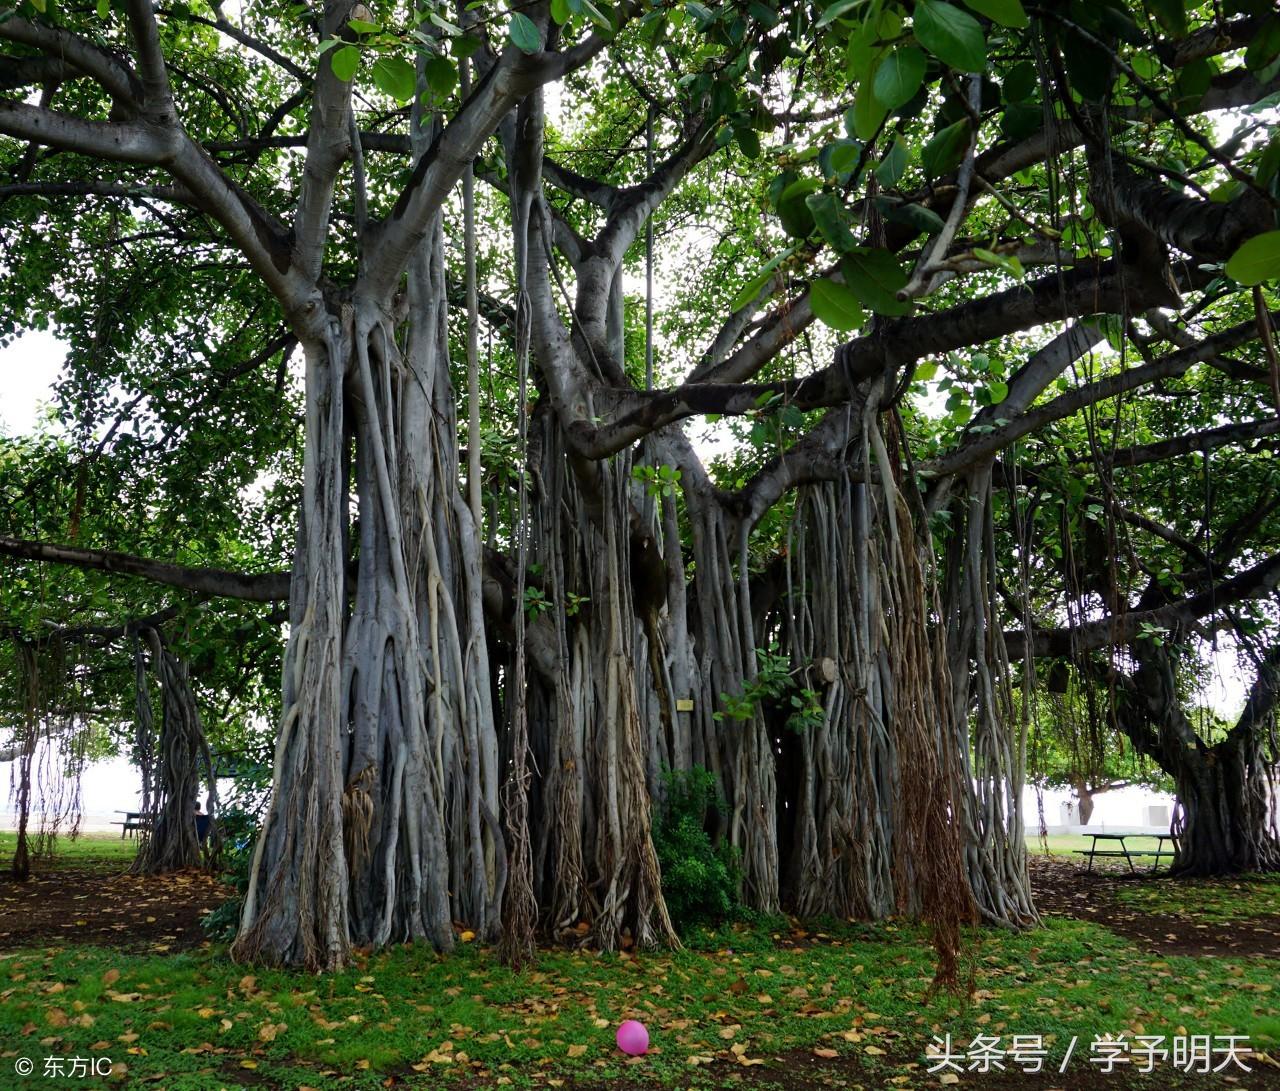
(1132,808)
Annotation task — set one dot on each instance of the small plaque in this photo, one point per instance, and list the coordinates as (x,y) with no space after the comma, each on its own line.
(684,704)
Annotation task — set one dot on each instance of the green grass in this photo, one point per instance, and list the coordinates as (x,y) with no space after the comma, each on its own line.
(190,1017)
(1233,899)
(88,848)
(196,1021)
(1060,844)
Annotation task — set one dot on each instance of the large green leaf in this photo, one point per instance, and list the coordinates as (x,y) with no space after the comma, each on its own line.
(835,305)
(524,33)
(868,112)
(953,36)
(899,77)
(894,164)
(345,61)
(441,76)
(946,149)
(395,76)
(1009,13)
(1257,260)
(793,211)
(1170,14)
(875,277)
(917,217)
(829,215)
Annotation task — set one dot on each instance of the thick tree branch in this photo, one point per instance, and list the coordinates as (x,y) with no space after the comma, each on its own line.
(111,73)
(1170,366)
(492,97)
(1086,289)
(266,587)
(1260,581)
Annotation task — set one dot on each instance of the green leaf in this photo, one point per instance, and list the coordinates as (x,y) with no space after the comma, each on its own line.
(875,277)
(924,220)
(523,33)
(39,5)
(835,305)
(104,9)
(598,17)
(868,112)
(953,36)
(946,149)
(1257,260)
(703,16)
(1021,119)
(560,11)
(344,62)
(926,372)
(1088,65)
(894,165)
(838,159)
(1009,13)
(748,140)
(837,10)
(363,26)
(441,76)
(997,392)
(395,76)
(829,215)
(794,213)
(449,28)
(1170,14)
(899,77)
(1021,82)
(1264,47)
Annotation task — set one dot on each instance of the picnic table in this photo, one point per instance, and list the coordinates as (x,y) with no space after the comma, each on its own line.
(133,822)
(1124,850)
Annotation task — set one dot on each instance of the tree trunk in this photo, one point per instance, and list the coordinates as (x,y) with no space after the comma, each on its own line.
(383,818)
(172,843)
(1228,815)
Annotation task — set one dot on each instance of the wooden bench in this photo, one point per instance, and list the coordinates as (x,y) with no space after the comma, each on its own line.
(1129,853)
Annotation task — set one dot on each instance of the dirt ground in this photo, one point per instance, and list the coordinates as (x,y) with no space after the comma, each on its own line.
(1064,889)
(102,904)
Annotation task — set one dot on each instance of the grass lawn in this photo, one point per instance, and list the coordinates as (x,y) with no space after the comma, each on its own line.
(87,848)
(747,1006)
(1059,844)
(1239,898)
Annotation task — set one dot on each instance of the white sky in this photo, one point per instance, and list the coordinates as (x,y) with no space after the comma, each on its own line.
(28,367)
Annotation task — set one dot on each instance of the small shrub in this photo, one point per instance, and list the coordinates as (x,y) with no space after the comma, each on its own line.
(699,879)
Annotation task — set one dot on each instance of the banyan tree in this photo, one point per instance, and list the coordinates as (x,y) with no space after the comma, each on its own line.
(774,389)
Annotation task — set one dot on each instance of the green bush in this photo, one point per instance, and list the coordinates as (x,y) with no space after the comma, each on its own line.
(699,879)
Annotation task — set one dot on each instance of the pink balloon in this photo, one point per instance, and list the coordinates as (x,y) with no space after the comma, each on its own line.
(633,1038)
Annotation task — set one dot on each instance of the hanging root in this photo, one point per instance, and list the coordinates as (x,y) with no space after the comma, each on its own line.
(930,868)
(357,817)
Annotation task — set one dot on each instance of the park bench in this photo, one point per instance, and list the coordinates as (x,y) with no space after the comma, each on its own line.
(134,821)
(1092,852)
